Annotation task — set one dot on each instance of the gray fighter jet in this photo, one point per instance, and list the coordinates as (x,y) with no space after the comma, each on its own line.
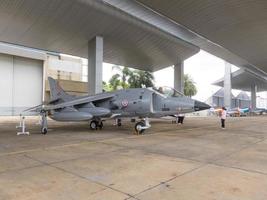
(141,103)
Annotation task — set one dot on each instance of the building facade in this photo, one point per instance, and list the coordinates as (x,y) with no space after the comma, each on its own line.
(23,77)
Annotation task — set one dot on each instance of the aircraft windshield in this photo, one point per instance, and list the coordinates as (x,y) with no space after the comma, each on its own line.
(168,92)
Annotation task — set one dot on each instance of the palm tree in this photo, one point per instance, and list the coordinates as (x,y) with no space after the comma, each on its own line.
(189,86)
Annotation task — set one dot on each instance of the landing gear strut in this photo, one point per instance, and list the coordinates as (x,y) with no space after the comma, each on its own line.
(141,126)
(117,122)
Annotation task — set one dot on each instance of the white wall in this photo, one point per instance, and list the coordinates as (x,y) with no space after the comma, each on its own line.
(21,83)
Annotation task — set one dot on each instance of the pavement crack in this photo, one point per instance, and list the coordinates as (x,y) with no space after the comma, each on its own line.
(235,152)
(171,179)
(80,176)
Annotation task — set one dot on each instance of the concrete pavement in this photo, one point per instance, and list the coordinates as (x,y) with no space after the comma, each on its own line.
(196,160)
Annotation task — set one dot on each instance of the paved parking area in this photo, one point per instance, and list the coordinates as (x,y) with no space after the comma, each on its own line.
(195,161)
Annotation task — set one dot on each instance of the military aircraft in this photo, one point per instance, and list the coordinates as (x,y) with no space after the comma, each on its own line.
(238,112)
(259,111)
(141,103)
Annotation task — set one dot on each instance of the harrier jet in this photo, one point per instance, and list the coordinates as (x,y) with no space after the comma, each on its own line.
(141,103)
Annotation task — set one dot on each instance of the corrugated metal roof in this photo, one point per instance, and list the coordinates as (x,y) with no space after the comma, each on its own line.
(243,80)
(235,30)
(66,26)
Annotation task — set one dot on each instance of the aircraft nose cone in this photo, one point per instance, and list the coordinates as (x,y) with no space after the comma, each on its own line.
(200,106)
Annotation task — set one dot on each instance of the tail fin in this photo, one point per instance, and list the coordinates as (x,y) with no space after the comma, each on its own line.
(56,92)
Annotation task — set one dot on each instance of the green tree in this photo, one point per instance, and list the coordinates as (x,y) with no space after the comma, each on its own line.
(131,78)
(114,81)
(140,78)
(189,86)
(106,87)
(146,78)
(124,74)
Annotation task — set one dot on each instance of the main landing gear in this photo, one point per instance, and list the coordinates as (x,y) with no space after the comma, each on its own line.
(141,126)
(117,122)
(96,124)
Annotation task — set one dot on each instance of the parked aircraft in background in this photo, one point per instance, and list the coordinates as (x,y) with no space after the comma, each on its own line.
(238,112)
(233,112)
(141,103)
(259,111)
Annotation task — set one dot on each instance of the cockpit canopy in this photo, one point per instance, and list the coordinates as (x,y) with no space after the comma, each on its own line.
(168,91)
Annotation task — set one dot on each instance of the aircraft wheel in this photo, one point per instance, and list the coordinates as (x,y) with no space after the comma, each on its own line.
(44,131)
(138,127)
(93,125)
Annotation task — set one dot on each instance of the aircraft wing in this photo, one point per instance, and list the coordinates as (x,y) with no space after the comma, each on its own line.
(74,102)
(78,101)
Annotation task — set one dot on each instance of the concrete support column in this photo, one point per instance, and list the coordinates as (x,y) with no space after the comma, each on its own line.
(253,97)
(95,65)
(227,86)
(179,77)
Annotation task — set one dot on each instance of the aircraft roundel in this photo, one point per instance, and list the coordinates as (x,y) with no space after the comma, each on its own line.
(124,103)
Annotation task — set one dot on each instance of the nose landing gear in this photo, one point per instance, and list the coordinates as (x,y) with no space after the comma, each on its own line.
(141,126)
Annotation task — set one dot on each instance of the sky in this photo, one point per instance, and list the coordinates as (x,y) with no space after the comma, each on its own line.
(203,68)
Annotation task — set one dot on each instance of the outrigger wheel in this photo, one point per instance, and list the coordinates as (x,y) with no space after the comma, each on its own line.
(44,131)
(138,127)
(44,122)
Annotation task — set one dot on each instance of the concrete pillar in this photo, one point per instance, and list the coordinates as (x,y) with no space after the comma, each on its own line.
(179,77)
(227,86)
(95,65)
(253,97)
